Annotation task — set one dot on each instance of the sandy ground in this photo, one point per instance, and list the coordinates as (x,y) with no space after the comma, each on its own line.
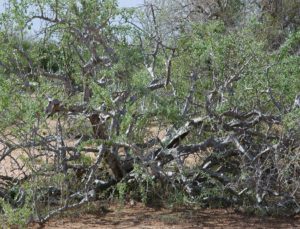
(139,216)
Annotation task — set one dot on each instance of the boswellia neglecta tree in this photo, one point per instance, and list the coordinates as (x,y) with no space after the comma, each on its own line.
(97,100)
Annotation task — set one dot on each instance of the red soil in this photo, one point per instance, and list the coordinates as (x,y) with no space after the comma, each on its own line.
(139,216)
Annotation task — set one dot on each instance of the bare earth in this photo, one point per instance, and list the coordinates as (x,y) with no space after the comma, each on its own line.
(139,216)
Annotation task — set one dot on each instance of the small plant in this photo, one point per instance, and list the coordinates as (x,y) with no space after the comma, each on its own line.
(122,189)
(177,198)
(16,216)
(144,182)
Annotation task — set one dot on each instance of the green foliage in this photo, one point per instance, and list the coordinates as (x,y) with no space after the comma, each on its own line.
(122,191)
(177,198)
(144,181)
(16,216)
(291,121)
(86,59)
